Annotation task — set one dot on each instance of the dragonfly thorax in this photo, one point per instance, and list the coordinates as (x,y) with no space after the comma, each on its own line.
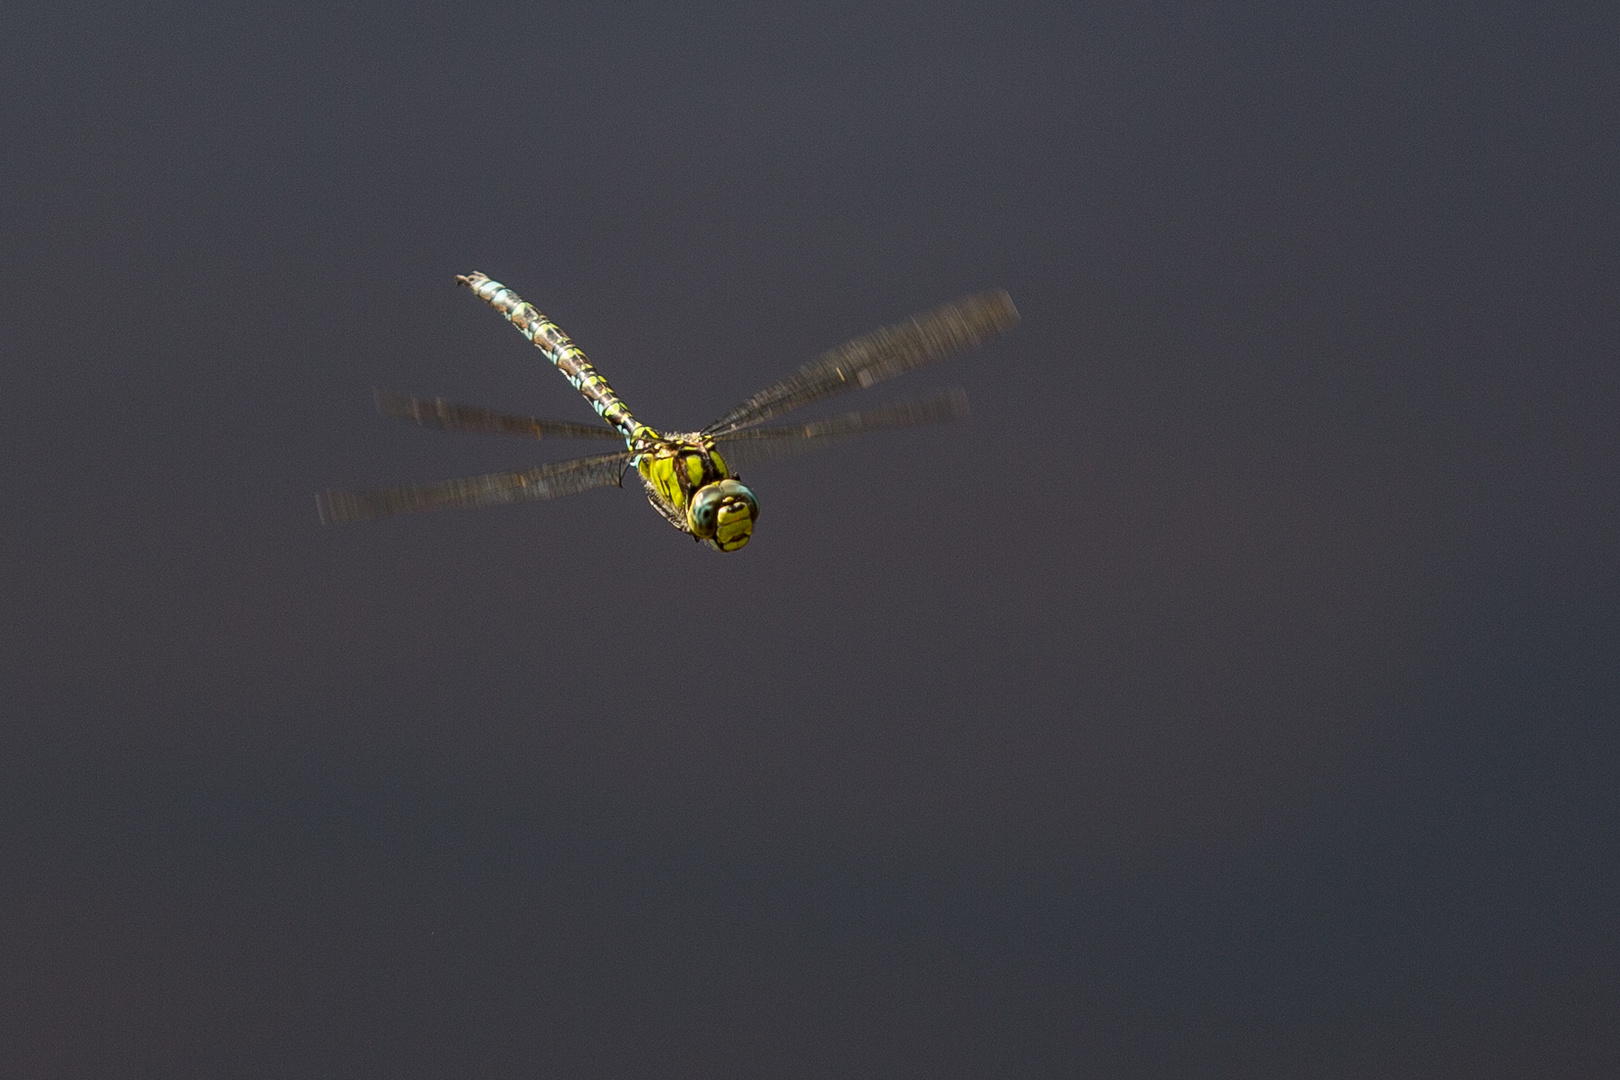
(688,482)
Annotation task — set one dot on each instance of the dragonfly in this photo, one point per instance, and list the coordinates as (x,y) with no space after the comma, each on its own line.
(689,477)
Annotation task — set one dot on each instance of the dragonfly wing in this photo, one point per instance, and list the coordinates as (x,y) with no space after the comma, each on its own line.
(449,416)
(755,445)
(894,350)
(551,481)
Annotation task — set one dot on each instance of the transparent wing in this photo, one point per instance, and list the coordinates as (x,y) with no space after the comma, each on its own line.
(448,416)
(768,444)
(882,354)
(531,485)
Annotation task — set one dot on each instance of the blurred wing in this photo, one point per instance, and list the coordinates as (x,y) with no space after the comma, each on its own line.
(532,485)
(768,444)
(448,416)
(882,354)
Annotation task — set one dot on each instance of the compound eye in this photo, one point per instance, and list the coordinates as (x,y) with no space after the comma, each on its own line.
(706,510)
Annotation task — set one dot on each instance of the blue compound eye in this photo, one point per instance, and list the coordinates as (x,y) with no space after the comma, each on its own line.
(705,510)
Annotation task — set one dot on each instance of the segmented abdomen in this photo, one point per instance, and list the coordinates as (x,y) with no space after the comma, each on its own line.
(562,352)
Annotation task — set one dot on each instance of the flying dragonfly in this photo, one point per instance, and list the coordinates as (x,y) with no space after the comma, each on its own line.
(688,476)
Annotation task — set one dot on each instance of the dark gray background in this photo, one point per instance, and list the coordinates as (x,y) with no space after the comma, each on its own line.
(1234,695)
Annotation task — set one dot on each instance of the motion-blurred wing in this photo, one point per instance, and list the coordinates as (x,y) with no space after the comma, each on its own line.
(768,444)
(882,354)
(448,416)
(532,485)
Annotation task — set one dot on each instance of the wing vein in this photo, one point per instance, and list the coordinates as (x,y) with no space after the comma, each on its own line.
(754,445)
(450,416)
(551,481)
(865,361)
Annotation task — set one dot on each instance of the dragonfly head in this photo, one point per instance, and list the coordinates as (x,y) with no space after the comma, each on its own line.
(723,513)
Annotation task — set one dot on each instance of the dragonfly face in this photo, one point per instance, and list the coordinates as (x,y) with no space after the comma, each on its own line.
(723,513)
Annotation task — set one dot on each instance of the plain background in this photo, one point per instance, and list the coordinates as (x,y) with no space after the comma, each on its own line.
(1234,695)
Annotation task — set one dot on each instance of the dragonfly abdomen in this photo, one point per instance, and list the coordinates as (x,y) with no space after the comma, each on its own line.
(567,357)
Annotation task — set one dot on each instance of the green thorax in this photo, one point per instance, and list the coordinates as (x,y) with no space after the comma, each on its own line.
(691,486)
(674,468)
